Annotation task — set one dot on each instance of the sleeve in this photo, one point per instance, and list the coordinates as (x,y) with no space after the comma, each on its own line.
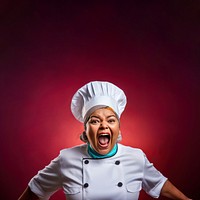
(47,181)
(153,180)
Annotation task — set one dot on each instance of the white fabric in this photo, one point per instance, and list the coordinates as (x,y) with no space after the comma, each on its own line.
(74,167)
(95,95)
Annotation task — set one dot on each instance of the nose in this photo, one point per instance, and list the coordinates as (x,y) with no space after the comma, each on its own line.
(103,125)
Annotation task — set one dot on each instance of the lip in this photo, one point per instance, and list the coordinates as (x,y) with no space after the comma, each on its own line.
(102,133)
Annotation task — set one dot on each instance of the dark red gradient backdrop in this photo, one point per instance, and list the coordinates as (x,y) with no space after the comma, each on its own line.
(51,48)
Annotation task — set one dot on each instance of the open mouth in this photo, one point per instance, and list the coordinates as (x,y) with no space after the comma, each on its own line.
(104,139)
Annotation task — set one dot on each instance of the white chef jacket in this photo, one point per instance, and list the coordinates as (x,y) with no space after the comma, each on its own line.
(120,177)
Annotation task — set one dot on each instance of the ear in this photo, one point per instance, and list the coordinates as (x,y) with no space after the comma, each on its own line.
(119,138)
(83,137)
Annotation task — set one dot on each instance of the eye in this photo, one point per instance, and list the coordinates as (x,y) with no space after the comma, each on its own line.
(94,121)
(112,120)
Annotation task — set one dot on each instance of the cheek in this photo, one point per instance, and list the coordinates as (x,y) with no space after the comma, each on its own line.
(116,132)
(116,135)
(90,132)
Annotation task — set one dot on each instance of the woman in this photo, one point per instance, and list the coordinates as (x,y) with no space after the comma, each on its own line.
(102,168)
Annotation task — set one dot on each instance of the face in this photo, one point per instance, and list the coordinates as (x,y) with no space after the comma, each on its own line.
(102,130)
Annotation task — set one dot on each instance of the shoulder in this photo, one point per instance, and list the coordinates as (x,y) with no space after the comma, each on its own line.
(79,151)
(132,154)
(130,150)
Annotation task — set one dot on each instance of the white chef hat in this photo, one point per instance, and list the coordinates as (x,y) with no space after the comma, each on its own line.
(94,95)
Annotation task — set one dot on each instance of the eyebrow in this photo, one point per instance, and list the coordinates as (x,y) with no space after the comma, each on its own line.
(100,117)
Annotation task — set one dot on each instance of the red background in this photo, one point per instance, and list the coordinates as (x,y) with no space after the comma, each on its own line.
(149,49)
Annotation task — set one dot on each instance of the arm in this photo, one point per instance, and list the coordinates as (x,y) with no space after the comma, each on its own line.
(170,191)
(28,195)
(45,183)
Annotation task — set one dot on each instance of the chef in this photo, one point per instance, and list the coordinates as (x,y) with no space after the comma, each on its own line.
(102,168)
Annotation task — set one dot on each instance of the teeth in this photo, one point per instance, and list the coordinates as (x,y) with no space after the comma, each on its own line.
(104,134)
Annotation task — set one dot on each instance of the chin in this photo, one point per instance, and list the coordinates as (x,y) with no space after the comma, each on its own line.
(104,151)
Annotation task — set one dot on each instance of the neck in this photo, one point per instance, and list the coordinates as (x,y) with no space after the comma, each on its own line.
(94,154)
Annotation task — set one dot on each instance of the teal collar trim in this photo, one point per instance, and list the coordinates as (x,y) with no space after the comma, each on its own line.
(94,154)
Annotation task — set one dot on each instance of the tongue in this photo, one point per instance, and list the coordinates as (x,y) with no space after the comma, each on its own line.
(103,140)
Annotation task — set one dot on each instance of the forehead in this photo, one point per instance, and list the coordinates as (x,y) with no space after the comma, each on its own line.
(103,112)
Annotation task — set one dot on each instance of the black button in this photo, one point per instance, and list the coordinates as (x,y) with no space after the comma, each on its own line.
(86,162)
(117,162)
(85,185)
(120,184)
